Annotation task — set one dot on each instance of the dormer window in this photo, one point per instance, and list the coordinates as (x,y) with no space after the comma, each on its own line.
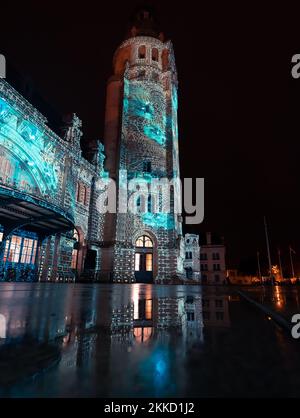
(155,77)
(141,74)
(155,54)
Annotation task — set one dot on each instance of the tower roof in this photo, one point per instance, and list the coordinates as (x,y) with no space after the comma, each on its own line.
(144,22)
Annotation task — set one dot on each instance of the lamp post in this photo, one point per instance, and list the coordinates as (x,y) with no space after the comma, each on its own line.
(268,250)
(258,265)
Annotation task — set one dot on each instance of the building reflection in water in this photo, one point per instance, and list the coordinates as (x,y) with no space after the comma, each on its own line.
(2,326)
(143,326)
(33,314)
(279,300)
(113,335)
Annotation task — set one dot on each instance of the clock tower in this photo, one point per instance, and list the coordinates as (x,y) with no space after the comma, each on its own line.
(141,142)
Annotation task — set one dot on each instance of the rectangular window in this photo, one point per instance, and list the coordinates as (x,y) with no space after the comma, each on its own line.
(137,261)
(77,191)
(204,278)
(147,167)
(219,303)
(204,267)
(14,249)
(190,316)
(148,313)
(87,196)
(219,316)
(82,194)
(148,262)
(27,250)
(216,267)
(6,250)
(20,250)
(205,303)
(203,256)
(5,168)
(34,251)
(74,259)
(206,315)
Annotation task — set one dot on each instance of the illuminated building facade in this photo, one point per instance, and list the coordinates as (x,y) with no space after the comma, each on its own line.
(141,139)
(49,224)
(50,228)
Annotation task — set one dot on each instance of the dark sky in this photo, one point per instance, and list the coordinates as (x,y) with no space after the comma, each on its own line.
(239,108)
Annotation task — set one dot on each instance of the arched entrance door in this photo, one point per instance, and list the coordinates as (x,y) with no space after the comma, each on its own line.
(143,265)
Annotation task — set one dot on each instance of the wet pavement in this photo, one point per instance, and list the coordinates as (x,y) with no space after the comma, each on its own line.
(285,300)
(144,341)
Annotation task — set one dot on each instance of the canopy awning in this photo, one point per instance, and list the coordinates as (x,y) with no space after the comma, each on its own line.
(20,210)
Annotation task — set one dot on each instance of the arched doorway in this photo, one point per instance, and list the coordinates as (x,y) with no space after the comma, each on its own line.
(143,265)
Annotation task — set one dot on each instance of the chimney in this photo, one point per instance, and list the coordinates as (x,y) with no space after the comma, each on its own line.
(208,238)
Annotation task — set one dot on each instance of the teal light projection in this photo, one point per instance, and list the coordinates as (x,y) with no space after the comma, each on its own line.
(145,115)
(140,108)
(143,109)
(159,220)
(30,155)
(153,132)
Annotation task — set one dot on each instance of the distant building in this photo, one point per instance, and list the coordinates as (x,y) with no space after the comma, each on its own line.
(212,261)
(235,278)
(191,262)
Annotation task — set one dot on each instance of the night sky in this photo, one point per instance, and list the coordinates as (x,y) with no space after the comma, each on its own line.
(239,107)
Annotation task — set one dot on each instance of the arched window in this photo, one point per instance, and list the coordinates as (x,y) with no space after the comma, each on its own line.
(144,242)
(165,59)
(155,54)
(143,263)
(142,52)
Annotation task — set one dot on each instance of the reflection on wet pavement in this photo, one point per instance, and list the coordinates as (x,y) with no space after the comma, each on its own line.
(144,340)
